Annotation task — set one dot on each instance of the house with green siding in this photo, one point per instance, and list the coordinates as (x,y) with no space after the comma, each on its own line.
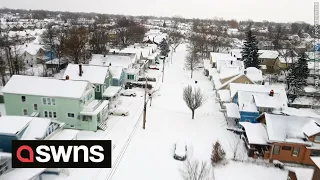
(68,101)
(99,76)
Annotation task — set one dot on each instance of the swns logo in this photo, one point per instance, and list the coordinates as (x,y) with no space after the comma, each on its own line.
(61,154)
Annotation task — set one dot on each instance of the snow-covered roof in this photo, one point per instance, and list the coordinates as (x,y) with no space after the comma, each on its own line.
(311,128)
(267,101)
(66,134)
(256,133)
(138,50)
(234,79)
(13,124)
(254,74)
(115,60)
(91,73)
(224,95)
(23,173)
(246,102)
(268,54)
(221,57)
(236,52)
(116,71)
(40,86)
(94,107)
(232,110)
(316,160)
(37,129)
(302,173)
(286,128)
(227,68)
(111,91)
(235,87)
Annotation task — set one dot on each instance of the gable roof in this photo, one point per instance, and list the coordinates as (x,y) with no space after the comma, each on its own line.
(13,124)
(115,60)
(268,54)
(233,79)
(40,86)
(289,128)
(254,74)
(256,133)
(116,71)
(91,73)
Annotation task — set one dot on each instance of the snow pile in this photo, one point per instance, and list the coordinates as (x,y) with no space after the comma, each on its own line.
(246,171)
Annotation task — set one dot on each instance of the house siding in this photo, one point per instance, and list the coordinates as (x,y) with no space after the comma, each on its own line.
(248,116)
(240,80)
(14,106)
(6,142)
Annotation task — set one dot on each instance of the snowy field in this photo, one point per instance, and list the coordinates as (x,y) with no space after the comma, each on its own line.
(150,153)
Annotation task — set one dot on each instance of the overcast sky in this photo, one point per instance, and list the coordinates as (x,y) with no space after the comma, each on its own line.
(257,10)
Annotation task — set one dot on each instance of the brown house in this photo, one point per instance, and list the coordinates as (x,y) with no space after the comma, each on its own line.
(270,59)
(290,139)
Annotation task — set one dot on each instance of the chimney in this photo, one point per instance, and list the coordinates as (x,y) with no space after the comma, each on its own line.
(26,45)
(114,52)
(271,93)
(67,77)
(234,55)
(80,70)
(153,39)
(231,62)
(245,71)
(231,53)
(109,64)
(262,83)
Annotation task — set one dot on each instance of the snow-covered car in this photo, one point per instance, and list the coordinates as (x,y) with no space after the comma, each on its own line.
(118,112)
(128,92)
(180,151)
(154,67)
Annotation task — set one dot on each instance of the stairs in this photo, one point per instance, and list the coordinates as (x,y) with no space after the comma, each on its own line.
(103,125)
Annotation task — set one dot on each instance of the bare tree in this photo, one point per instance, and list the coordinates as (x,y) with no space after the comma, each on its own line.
(192,61)
(193,98)
(194,170)
(175,39)
(76,39)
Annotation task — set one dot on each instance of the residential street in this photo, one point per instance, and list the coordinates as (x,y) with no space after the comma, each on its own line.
(169,120)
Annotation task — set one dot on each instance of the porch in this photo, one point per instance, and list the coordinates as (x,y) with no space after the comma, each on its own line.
(111,94)
(95,113)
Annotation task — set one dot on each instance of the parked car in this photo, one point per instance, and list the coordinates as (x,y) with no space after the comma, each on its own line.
(162,57)
(128,93)
(118,112)
(180,151)
(157,61)
(154,67)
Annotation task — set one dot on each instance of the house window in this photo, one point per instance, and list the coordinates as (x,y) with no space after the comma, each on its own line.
(44,101)
(317,139)
(71,115)
(295,151)
(25,112)
(49,101)
(86,118)
(23,98)
(315,153)
(53,101)
(131,77)
(276,149)
(50,114)
(286,148)
(98,88)
(54,114)
(45,113)
(35,107)
(247,82)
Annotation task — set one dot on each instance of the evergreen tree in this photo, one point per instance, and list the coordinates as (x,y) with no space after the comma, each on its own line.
(297,78)
(164,47)
(250,50)
(217,154)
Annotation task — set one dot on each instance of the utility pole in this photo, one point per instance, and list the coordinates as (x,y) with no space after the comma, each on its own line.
(145,104)
(163,69)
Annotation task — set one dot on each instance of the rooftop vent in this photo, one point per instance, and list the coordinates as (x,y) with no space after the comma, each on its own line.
(67,77)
